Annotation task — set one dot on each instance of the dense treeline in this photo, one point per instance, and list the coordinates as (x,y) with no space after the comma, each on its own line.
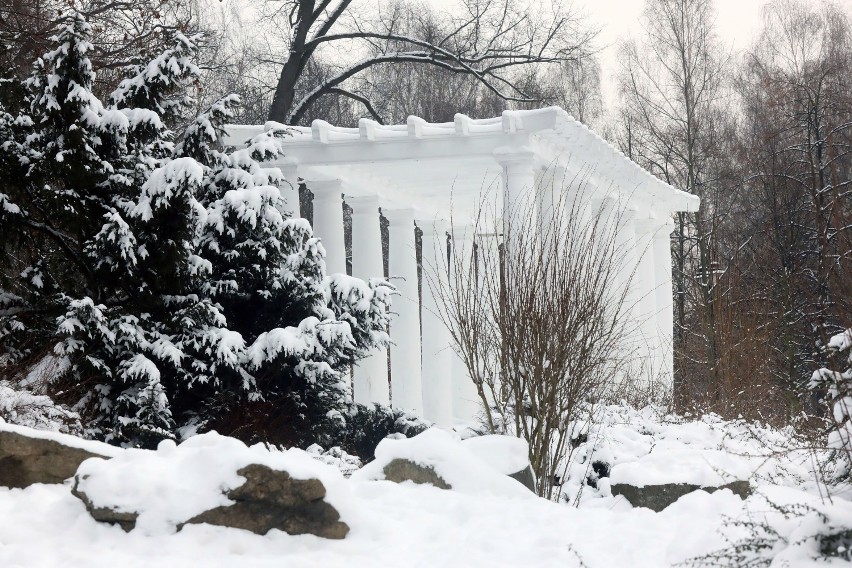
(762,273)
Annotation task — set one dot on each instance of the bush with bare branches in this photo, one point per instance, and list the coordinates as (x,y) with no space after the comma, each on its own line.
(539,317)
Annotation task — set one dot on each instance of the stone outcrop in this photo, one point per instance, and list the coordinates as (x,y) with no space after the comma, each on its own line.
(126,520)
(25,460)
(269,499)
(658,497)
(399,470)
(526,477)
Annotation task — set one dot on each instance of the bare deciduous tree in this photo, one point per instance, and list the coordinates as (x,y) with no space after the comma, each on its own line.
(671,86)
(489,41)
(540,320)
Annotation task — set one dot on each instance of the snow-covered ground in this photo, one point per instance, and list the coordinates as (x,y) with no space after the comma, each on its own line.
(484,523)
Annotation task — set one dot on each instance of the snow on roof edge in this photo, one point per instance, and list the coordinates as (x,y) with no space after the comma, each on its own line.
(511,121)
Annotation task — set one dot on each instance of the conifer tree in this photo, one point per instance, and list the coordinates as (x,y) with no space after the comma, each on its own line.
(166,277)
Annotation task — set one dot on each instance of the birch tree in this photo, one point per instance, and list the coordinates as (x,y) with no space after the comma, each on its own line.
(670,82)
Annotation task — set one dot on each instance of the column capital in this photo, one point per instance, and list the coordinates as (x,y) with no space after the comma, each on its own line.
(363,204)
(662,228)
(520,156)
(403,216)
(324,188)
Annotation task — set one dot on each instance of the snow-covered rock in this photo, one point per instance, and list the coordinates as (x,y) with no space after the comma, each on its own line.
(507,454)
(29,456)
(450,463)
(216,480)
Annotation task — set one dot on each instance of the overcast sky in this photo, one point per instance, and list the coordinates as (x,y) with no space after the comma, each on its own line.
(737,23)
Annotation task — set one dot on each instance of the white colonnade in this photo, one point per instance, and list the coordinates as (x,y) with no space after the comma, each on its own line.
(413,173)
(427,376)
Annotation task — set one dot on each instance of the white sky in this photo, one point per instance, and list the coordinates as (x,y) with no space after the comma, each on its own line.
(737,23)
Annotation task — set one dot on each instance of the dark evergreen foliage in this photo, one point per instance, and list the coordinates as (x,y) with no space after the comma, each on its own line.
(165,276)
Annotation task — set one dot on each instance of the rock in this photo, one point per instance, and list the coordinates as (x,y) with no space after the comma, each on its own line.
(526,477)
(271,499)
(25,460)
(126,520)
(399,470)
(658,497)
(507,454)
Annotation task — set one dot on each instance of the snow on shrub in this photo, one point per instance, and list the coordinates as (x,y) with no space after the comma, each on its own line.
(838,386)
(650,446)
(785,527)
(24,408)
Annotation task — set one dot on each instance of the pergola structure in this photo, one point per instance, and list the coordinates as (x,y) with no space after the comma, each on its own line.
(430,173)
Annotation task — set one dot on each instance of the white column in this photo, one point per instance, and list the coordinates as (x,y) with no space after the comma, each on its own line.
(406,385)
(328,222)
(646,295)
(437,343)
(466,401)
(370,376)
(518,188)
(555,203)
(663,288)
(290,188)
(618,236)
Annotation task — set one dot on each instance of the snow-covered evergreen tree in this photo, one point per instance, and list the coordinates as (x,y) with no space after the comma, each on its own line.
(268,274)
(837,384)
(166,276)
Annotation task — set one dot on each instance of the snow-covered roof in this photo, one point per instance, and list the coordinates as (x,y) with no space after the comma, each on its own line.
(436,167)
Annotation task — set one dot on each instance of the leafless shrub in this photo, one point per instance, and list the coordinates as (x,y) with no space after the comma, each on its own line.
(538,313)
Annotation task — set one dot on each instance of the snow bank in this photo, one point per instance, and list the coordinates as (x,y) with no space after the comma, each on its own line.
(64,439)
(420,526)
(175,483)
(506,454)
(648,447)
(453,460)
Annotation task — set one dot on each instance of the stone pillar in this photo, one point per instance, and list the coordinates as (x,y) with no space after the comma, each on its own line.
(370,376)
(617,236)
(518,188)
(646,295)
(328,222)
(437,343)
(290,188)
(663,288)
(406,385)
(466,401)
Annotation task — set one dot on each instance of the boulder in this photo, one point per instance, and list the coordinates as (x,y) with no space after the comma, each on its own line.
(216,480)
(271,499)
(526,476)
(125,519)
(31,456)
(658,497)
(438,458)
(399,470)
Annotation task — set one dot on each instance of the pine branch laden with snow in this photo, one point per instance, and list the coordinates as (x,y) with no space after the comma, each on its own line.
(169,276)
(837,385)
(160,84)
